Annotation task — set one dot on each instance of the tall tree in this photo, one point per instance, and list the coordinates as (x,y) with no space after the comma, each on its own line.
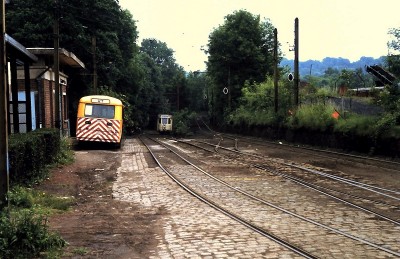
(31,23)
(197,89)
(172,75)
(239,50)
(393,61)
(149,95)
(81,22)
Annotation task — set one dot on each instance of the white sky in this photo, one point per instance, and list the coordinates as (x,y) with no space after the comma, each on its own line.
(327,28)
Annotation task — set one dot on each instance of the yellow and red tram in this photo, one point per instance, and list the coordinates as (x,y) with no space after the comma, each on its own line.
(99,119)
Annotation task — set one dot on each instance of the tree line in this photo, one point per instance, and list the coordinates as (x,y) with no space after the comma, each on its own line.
(318,68)
(146,75)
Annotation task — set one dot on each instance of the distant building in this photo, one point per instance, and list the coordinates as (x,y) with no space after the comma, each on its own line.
(342,90)
(361,91)
(366,91)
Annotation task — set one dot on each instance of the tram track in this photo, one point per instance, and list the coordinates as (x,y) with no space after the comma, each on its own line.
(323,153)
(226,212)
(310,221)
(389,164)
(328,191)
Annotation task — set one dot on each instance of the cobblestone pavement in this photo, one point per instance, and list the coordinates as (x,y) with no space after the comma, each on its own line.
(191,229)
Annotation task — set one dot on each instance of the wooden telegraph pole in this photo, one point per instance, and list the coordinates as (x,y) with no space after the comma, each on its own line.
(56,67)
(4,169)
(276,72)
(94,63)
(296,62)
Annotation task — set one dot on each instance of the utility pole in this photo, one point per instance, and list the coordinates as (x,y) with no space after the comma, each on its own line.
(276,72)
(56,67)
(177,97)
(296,62)
(4,169)
(229,89)
(94,63)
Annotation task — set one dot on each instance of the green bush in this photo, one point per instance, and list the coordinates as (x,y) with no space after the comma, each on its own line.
(20,197)
(256,113)
(27,198)
(65,154)
(356,125)
(385,126)
(30,154)
(313,116)
(260,117)
(257,105)
(373,126)
(24,234)
(184,122)
(24,231)
(394,132)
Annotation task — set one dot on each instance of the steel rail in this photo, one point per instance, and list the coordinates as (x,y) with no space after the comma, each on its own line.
(350,182)
(248,139)
(337,178)
(316,188)
(292,177)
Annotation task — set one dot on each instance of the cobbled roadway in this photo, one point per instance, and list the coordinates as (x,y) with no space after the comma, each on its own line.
(192,229)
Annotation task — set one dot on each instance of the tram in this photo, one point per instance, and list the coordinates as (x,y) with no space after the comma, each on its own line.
(99,119)
(164,123)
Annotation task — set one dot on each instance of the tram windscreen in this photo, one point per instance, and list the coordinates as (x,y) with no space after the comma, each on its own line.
(99,111)
(164,120)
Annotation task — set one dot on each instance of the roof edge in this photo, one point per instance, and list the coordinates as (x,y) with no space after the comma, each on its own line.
(15,44)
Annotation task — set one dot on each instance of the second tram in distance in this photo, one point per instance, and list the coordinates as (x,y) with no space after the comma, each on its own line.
(164,123)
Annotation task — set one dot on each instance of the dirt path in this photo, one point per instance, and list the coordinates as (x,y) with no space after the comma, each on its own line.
(99,226)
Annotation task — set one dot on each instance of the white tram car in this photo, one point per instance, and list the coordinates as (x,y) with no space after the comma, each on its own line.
(164,123)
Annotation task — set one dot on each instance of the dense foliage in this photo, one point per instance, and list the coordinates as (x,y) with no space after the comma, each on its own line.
(240,60)
(198,90)
(257,104)
(31,153)
(146,75)
(184,122)
(31,23)
(164,81)
(26,235)
(240,50)
(24,230)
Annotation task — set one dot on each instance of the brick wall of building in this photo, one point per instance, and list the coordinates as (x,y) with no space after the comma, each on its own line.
(46,96)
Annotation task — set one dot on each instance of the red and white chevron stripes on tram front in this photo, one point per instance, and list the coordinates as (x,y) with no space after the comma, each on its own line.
(97,129)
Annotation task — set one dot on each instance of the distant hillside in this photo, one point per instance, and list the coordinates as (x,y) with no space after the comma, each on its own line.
(318,68)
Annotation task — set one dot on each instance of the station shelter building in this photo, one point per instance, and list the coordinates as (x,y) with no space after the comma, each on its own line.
(36,95)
